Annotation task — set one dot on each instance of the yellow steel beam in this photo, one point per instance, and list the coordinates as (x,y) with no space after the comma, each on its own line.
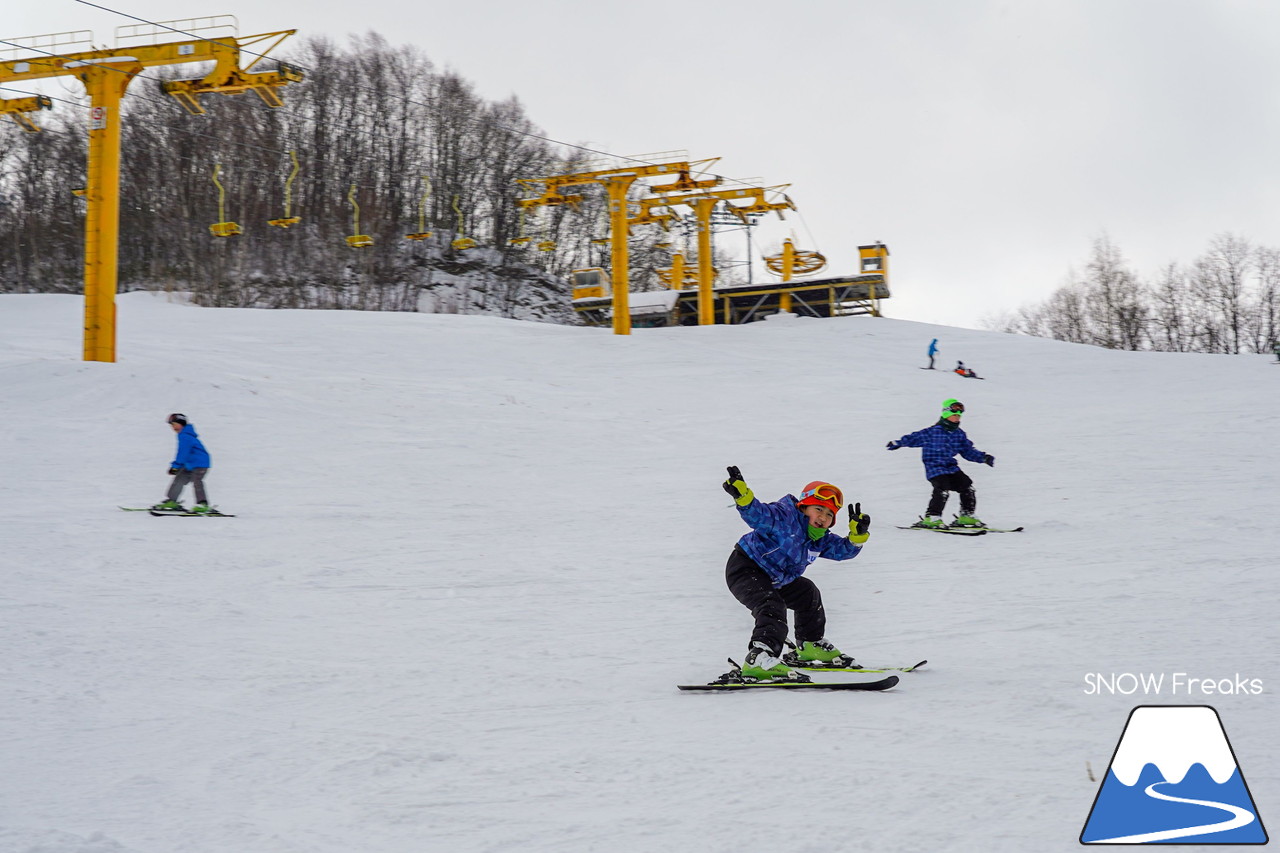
(17,109)
(639,170)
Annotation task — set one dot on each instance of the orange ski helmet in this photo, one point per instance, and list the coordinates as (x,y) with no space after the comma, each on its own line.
(819,493)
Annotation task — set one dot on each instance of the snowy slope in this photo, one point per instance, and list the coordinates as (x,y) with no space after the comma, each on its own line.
(474,557)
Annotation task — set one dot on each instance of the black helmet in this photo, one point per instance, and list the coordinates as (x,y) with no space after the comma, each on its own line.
(176,418)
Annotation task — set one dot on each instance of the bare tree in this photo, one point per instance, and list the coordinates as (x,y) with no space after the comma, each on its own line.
(1264,319)
(1220,277)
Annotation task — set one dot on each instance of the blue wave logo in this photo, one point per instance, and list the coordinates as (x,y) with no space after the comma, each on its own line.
(1173,779)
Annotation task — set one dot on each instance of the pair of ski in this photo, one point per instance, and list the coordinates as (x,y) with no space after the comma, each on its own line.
(733,679)
(186,513)
(963,531)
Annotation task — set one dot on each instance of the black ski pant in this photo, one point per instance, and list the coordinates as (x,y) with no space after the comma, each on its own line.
(194,476)
(957,482)
(752,586)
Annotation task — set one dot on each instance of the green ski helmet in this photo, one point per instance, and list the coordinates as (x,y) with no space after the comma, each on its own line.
(952,408)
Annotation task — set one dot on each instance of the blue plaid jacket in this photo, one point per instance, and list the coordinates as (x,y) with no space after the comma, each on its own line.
(940,446)
(779,540)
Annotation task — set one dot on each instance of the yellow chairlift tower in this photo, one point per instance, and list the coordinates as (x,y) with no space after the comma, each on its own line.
(702,202)
(106,74)
(616,182)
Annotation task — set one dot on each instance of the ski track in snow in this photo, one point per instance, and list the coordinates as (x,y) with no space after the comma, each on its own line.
(473,557)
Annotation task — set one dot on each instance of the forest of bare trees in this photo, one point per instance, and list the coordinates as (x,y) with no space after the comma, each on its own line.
(373,115)
(1227,300)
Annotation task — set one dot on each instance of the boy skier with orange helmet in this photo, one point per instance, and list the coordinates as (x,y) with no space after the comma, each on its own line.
(765,572)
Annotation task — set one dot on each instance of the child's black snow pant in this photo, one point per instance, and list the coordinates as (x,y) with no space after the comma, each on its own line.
(957,482)
(752,586)
(194,476)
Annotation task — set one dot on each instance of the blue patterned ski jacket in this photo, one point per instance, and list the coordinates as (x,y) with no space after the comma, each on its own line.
(940,446)
(191,452)
(779,540)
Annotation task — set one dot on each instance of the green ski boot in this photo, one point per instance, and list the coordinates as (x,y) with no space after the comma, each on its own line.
(967,521)
(169,506)
(819,654)
(934,522)
(761,664)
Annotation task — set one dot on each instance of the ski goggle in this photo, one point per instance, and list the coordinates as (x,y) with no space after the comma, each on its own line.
(954,408)
(825,492)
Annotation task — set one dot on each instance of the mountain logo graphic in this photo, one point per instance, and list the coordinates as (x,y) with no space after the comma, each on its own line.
(1173,779)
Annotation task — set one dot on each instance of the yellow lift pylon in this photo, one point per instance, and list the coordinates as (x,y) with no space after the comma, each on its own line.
(106,74)
(702,201)
(616,182)
(678,276)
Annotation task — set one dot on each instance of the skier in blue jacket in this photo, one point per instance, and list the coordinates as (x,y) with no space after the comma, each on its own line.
(765,570)
(933,350)
(940,443)
(189,466)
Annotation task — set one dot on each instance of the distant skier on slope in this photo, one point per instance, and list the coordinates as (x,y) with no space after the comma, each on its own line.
(189,465)
(933,350)
(940,443)
(765,570)
(965,372)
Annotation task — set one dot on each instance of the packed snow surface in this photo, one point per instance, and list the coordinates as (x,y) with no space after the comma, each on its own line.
(473,558)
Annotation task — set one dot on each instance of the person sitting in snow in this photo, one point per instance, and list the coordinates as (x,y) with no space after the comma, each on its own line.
(965,372)
(940,443)
(189,466)
(765,571)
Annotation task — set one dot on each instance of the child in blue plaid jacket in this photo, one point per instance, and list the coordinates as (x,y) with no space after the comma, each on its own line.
(939,445)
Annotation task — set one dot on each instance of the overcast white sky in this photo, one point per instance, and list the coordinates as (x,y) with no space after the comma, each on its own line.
(986,143)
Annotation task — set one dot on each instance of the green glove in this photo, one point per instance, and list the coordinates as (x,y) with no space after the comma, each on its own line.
(859,525)
(737,488)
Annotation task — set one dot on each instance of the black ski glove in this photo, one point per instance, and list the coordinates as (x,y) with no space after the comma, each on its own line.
(737,487)
(893,445)
(859,525)
(174,470)
(988,459)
